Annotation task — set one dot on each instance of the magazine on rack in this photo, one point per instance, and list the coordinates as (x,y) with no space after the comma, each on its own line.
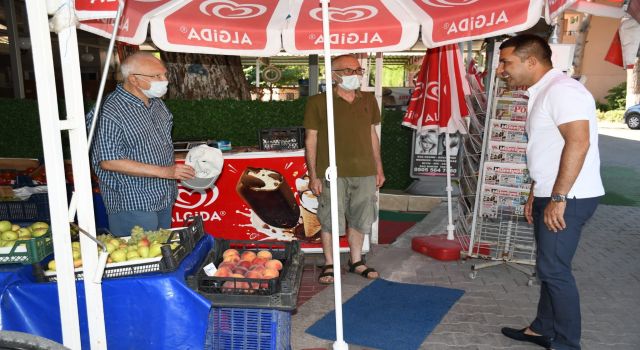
(506,131)
(507,152)
(511,109)
(508,175)
(503,200)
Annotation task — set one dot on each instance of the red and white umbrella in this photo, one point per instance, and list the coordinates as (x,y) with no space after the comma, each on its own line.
(438,101)
(356,26)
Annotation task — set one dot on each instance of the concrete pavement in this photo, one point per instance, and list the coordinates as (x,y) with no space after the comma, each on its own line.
(605,267)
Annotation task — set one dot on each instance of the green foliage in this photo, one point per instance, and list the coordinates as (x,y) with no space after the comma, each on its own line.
(290,75)
(616,98)
(237,121)
(616,115)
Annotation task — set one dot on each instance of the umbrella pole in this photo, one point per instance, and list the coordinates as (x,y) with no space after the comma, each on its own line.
(450,226)
(332,177)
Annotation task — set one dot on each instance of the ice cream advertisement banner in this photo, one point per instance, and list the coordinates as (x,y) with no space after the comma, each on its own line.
(259,199)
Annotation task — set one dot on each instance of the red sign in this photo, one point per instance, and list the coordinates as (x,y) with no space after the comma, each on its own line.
(239,27)
(258,196)
(556,7)
(355,26)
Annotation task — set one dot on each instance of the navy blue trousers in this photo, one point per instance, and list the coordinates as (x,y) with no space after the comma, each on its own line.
(559,307)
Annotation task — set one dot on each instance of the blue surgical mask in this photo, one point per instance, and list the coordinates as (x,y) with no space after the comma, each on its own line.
(157,89)
(350,82)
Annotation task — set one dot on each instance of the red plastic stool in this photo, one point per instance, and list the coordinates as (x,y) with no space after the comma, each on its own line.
(437,247)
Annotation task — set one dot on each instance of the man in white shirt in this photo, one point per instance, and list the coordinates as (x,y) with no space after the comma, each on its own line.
(564,163)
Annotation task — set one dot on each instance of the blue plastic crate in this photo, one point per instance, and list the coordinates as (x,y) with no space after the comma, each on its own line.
(248,329)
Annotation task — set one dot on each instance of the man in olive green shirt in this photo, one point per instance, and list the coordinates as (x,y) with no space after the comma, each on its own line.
(358,162)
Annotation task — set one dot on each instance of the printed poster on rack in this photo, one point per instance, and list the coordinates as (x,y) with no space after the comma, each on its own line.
(511,109)
(429,154)
(501,202)
(260,196)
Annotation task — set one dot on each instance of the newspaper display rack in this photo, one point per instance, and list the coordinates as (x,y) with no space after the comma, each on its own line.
(494,185)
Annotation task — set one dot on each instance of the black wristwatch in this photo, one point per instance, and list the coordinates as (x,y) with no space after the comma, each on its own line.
(556,197)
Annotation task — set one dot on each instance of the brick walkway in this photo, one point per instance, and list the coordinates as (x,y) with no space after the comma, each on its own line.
(605,268)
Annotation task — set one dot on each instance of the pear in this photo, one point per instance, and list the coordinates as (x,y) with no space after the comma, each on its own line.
(9,235)
(155,250)
(24,233)
(132,255)
(5,225)
(143,251)
(15,227)
(39,232)
(119,255)
(52,265)
(77,262)
(111,247)
(39,224)
(75,245)
(76,254)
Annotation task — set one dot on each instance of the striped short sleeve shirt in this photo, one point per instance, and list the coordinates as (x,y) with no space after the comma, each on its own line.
(128,129)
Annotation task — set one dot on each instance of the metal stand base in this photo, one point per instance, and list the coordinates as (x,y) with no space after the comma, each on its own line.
(529,272)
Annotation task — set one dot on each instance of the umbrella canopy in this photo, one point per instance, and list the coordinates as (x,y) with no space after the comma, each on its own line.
(264,27)
(438,102)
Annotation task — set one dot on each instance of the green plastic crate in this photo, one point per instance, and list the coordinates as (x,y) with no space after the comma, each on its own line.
(29,251)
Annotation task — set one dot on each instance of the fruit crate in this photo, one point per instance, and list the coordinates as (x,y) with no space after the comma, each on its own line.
(36,208)
(281,138)
(279,293)
(169,261)
(28,251)
(248,329)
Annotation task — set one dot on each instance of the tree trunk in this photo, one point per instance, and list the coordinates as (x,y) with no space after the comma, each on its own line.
(581,42)
(196,76)
(633,85)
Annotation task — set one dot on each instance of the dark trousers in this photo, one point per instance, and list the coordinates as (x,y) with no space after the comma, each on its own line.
(559,306)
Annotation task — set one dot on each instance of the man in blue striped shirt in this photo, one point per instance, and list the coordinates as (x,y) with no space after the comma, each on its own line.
(132,151)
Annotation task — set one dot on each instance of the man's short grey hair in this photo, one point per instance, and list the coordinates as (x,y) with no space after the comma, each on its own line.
(131,63)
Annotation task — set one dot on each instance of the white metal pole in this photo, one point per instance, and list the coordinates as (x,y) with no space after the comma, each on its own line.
(332,175)
(450,226)
(258,77)
(70,62)
(52,149)
(378,93)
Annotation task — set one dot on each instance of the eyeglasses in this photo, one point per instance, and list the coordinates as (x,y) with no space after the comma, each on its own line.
(154,76)
(349,71)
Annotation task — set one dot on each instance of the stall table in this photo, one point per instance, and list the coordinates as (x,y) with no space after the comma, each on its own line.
(148,311)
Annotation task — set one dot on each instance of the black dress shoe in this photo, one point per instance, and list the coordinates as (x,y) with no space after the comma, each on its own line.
(520,335)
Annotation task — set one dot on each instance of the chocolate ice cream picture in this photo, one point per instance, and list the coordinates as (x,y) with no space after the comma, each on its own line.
(267,193)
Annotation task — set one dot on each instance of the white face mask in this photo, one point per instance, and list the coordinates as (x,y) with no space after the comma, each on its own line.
(350,82)
(157,89)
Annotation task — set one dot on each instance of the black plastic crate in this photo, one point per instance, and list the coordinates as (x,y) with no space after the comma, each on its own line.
(169,261)
(279,293)
(281,138)
(36,208)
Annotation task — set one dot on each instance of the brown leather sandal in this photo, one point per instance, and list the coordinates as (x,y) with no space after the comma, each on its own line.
(324,273)
(365,273)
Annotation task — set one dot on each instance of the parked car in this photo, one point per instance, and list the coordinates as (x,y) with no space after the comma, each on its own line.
(632,117)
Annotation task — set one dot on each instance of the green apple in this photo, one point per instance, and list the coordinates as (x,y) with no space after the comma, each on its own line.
(52,265)
(143,251)
(119,255)
(39,232)
(76,254)
(15,227)
(9,235)
(39,224)
(5,226)
(8,244)
(75,245)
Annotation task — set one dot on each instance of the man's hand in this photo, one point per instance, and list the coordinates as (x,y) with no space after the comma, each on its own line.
(180,172)
(554,216)
(528,208)
(380,179)
(315,185)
